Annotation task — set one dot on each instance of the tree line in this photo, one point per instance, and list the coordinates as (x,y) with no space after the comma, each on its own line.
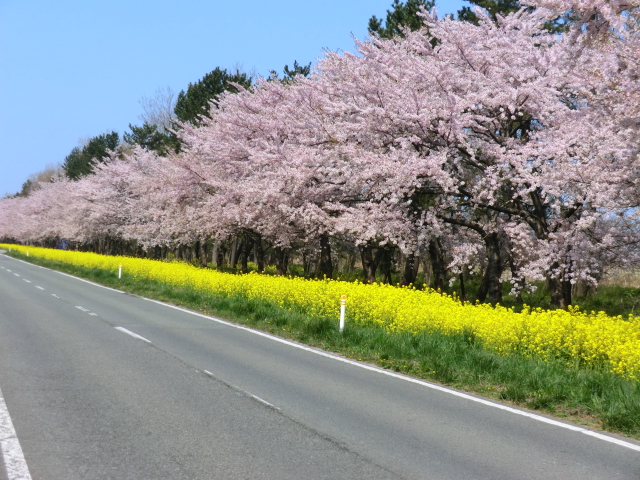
(501,146)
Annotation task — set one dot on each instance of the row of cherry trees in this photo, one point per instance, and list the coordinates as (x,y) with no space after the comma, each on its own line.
(500,147)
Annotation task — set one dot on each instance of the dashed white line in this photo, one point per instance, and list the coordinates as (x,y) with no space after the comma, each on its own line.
(249,394)
(264,402)
(86,310)
(17,275)
(488,403)
(54,295)
(14,462)
(8,270)
(134,335)
(39,287)
(28,281)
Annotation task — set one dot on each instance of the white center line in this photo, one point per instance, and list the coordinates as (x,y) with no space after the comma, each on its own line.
(93,314)
(16,275)
(82,308)
(39,287)
(8,270)
(54,295)
(134,335)
(14,462)
(28,281)
(249,394)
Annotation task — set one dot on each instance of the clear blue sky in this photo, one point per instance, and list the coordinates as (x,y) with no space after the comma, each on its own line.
(73,69)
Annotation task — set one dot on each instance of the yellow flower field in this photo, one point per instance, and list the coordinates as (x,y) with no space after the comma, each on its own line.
(589,338)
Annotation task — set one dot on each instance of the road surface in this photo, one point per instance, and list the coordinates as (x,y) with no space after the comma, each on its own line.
(99,384)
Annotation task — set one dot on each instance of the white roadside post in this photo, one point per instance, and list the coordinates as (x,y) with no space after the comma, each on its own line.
(343,307)
(27,253)
(120,271)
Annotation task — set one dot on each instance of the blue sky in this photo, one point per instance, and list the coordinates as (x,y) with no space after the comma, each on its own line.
(74,69)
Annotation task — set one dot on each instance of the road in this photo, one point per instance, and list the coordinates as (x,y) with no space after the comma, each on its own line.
(100,384)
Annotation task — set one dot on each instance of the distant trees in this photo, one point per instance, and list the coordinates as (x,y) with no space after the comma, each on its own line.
(49,174)
(403,15)
(195,102)
(502,151)
(81,160)
(150,137)
(492,7)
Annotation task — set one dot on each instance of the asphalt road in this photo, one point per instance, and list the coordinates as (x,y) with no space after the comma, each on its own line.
(190,397)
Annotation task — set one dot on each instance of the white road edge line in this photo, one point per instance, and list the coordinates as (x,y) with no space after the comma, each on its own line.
(533,416)
(134,335)
(65,274)
(14,462)
(82,308)
(423,383)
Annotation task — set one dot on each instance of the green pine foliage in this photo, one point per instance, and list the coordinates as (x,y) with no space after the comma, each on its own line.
(195,102)
(81,160)
(150,138)
(402,15)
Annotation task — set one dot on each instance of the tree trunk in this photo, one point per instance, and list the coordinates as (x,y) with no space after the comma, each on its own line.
(411,266)
(491,285)
(214,253)
(259,249)
(195,248)
(559,289)
(438,270)
(221,254)
(247,246)
(282,260)
(203,252)
(370,262)
(385,266)
(235,252)
(326,266)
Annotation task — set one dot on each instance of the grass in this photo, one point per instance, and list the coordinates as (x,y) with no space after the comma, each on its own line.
(592,397)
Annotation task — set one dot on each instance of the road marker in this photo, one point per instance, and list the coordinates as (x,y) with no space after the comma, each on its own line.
(343,307)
